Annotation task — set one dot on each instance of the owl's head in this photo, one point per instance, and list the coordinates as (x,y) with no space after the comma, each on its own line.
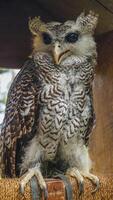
(61,40)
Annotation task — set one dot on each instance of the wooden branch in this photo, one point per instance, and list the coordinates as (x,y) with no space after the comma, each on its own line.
(9,190)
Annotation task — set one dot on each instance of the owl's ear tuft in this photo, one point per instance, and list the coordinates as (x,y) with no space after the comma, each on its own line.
(82,15)
(36,25)
(87,22)
(93,19)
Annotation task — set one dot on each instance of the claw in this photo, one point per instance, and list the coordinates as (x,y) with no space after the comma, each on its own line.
(33,175)
(74,172)
(97,187)
(21,188)
(94,179)
(81,188)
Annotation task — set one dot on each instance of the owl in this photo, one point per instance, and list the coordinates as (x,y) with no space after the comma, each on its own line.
(49,113)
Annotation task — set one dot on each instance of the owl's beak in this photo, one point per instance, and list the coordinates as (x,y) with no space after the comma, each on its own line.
(59,55)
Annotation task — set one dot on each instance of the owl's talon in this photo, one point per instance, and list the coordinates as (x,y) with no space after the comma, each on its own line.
(81,188)
(33,175)
(74,172)
(94,179)
(97,187)
(21,188)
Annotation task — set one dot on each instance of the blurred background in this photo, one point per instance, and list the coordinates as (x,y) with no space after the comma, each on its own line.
(15,47)
(6,78)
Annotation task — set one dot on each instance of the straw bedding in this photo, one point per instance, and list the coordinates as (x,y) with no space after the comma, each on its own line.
(9,190)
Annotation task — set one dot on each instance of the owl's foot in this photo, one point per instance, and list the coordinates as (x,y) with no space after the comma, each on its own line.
(94,179)
(29,175)
(74,172)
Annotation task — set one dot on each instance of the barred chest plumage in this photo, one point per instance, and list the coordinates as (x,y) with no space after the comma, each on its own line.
(64,100)
(49,112)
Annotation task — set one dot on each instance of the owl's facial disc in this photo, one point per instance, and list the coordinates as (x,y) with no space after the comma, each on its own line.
(59,43)
(59,53)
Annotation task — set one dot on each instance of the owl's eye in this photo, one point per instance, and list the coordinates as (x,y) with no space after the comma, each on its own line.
(46,38)
(72,37)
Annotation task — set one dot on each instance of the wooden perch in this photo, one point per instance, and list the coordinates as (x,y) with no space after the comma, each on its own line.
(9,190)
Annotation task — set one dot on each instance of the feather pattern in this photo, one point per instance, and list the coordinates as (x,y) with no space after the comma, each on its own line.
(49,113)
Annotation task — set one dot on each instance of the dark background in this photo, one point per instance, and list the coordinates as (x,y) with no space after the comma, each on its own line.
(15,38)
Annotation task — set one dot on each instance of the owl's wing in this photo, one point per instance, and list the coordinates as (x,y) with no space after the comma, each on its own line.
(88,123)
(88,128)
(20,115)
